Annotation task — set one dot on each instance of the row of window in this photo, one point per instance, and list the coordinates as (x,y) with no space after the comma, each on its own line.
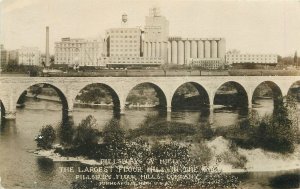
(125,50)
(125,41)
(124,36)
(114,62)
(249,55)
(69,45)
(257,58)
(119,54)
(123,31)
(112,45)
(28,55)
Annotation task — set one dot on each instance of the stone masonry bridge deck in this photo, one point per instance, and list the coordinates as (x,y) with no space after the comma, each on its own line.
(68,88)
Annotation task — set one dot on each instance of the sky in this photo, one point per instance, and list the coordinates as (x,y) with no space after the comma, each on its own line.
(248,26)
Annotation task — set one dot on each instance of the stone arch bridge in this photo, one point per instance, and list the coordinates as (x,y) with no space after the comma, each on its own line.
(68,88)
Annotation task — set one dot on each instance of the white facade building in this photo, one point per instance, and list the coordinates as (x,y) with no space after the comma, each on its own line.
(204,52)
(123,42)
(77,51)
(29,56)
(156,34)
(127,46)
(235,57)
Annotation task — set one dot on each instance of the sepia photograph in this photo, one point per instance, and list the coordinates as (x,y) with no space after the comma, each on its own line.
(125,94)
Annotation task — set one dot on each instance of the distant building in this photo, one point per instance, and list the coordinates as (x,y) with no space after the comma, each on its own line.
(124,48)
(78,51)
(238,59)
(210,64)
(3,55)
(156,34)
(13,55)
(131,46)
(29,56)
(123,42)
(204,52)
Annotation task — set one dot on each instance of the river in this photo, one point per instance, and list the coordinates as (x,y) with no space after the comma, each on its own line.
(20,168)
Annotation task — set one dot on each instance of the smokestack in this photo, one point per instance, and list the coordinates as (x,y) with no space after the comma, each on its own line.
(47,63)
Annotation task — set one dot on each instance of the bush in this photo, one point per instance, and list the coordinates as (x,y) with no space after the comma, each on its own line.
(151,126)
(277,132)
(65,132)
(113,134)
(46,137)
(85,135)
(201,153)
(234,158)
(114,139)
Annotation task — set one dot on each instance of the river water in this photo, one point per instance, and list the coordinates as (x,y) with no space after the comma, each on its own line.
(20,168)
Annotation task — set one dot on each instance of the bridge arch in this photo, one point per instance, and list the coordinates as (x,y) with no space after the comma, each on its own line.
(180,92)
(160,94)
(114,96)
(61,95)
(276,91)
(294,90)
(2,112)
(240,98)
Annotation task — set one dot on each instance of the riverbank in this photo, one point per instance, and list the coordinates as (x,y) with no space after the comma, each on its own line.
(258,160)
(57,99)
(44,97)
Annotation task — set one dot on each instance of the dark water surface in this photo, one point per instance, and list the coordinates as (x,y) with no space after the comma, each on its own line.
(20,168)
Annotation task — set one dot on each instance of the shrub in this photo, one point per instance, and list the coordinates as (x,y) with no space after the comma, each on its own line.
(65,132)
(201,153)
(233,157)
(46,137)
(114,139)
(113,134)
(85,135)
(279,131)
(152,126)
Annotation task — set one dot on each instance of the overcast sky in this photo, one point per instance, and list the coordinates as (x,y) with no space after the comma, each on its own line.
(249,26)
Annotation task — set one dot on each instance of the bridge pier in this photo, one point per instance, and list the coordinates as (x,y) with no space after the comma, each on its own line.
(169,109)
(211,113)
(10,115)
(122,111)
(70,112)
(250,105)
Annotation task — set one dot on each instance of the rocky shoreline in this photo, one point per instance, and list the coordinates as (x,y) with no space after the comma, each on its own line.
(258,160)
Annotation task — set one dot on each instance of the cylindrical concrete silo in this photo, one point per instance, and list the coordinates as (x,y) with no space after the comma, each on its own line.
(174,52)
(180,52)
(153,51)
(200,49)
(145,49)
(164,51)
(149,49)
(194,49)
(187,50)
(169,51)
(157,54)
(207,49)
(221,48)
(214,49)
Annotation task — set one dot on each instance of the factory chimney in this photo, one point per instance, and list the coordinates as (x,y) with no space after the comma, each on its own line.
(47,63)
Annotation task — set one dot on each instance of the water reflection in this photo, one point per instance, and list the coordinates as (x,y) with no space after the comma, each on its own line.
(45,168)
(21,169)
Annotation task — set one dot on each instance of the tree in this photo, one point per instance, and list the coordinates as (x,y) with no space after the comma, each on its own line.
(85,135)
(113,134)
(278,132)
(114,139)
(46,137)
(296,59)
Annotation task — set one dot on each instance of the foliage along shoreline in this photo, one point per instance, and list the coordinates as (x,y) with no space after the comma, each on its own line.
(267,137)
